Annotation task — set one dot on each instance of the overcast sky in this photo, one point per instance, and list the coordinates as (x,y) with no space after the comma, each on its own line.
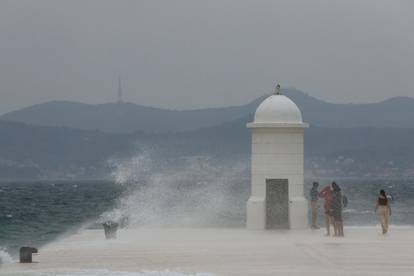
(189,54)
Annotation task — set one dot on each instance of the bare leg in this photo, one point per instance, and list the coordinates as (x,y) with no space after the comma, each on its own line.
(386,221)
(336,228)
(383,219)
(341,228)
(314,207)
(328,224)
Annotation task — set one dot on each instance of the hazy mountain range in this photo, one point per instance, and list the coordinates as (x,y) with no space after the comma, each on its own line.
(127,117)
(34,152)
(73,147)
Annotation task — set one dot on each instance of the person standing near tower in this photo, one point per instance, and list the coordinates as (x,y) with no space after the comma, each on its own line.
(383,209)
(314,196)
(337,204)
(326,194)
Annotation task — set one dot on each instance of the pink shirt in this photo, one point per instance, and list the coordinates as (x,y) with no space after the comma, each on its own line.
(326,193)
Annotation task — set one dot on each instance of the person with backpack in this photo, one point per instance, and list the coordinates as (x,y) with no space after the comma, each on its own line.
(337,204)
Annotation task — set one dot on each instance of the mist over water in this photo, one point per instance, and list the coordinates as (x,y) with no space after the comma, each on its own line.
(189,191)
(206,191)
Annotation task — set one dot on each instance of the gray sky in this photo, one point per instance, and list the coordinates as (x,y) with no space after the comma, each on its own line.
(190,54)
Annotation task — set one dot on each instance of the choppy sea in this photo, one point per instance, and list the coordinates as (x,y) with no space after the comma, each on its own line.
(35,213)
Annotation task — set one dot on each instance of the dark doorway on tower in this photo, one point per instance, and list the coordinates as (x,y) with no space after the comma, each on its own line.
(277,204)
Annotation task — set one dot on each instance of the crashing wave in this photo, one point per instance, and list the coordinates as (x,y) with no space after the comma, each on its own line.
(5,257)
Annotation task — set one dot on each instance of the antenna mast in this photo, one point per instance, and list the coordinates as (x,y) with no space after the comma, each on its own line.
(120,99)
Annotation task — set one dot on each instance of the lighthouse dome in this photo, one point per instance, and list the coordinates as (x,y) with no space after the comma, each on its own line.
(278,109)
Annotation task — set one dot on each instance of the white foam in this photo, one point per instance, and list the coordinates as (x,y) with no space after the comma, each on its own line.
(5,257)
(191,191)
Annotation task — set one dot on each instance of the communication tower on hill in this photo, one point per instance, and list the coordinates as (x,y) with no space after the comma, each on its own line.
(120,96)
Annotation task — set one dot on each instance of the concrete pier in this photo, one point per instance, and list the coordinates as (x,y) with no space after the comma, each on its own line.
(363,251)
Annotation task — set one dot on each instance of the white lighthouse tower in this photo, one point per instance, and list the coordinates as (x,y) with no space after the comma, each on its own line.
(277,198)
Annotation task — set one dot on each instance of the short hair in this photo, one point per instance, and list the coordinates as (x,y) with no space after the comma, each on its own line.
(335,186)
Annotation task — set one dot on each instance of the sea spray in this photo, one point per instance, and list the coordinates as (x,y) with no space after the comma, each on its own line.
(186,191)
(212,192)
(5,257)
(133,169)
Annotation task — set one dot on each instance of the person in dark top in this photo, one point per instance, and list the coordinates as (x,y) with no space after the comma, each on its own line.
(383,209)
(314,196)
(344,201)
(337,202)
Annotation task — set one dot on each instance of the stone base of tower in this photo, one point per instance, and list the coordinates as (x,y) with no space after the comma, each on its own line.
(298,213)
(256,213)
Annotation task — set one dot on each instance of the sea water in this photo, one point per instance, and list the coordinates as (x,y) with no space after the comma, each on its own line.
(33,213)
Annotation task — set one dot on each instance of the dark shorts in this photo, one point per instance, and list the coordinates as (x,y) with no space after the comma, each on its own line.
(337,215)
